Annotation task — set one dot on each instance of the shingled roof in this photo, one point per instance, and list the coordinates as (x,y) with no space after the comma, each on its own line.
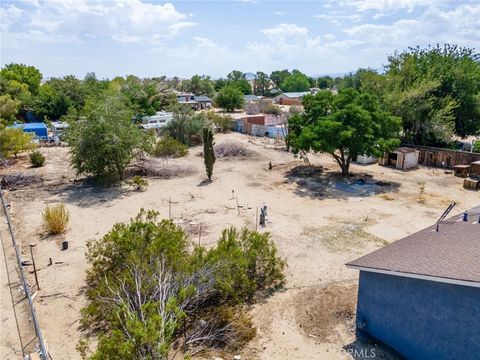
(450,255)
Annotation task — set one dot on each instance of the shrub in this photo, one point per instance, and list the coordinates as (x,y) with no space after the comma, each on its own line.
(223,123)
(267,107)
(37,159)
(55,219)
(476,146)
(229,98)
(231,149)
(138,183)
(146,289)
(168,147)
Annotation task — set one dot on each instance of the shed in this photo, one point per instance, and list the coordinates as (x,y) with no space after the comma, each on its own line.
(420,295)
(39,129)
(475,169)
(403,158)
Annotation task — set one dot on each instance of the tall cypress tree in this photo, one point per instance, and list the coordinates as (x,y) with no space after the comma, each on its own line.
(208,153)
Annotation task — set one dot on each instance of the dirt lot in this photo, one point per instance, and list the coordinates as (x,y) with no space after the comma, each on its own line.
(318,221)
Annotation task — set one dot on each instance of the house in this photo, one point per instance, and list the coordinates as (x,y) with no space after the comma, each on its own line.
(421,294)
(251,99)
(403,158)
(39,129)
(291,98)
(194,101)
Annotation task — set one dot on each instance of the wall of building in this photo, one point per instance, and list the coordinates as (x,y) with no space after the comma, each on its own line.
(420,319)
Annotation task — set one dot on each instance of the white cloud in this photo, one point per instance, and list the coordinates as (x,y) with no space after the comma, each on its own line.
(70,20)
(388,5)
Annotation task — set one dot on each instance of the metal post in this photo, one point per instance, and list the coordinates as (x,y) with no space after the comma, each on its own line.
(34,267)
(200,235)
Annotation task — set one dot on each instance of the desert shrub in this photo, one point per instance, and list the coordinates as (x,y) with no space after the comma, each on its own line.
(267,107)
(37,159)
(55,219)
(168,147)
(248,262)
(231,149)
(146,288)
(138,183)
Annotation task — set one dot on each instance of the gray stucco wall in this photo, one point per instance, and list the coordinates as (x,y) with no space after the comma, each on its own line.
(420,319)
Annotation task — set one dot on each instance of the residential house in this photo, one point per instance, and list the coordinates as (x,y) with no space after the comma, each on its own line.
(421,295)
(196,102)
(291,98)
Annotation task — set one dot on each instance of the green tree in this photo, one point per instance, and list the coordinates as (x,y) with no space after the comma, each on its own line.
(237,79)
(278,76)
(296,81)
(186,126)
(23,74)
(13,141)
(230,98)
(168,147)
(343,126)
(103,140)
(325,82)
(261,84)
(199,85)
(8,109)
(208,152)
(456,74)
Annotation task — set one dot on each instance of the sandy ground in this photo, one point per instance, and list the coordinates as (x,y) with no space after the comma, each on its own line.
(317,223)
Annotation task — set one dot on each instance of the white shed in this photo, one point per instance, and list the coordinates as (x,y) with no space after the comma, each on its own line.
(403,158)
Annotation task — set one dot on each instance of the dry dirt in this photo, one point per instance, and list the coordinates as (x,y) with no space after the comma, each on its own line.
(317,220)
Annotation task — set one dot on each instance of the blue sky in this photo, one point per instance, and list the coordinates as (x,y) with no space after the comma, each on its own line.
(153,38)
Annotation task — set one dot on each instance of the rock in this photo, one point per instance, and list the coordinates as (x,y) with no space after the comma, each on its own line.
(237,357)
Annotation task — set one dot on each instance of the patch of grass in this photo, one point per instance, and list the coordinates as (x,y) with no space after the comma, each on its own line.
(138,183)
(342,237)
(55,219)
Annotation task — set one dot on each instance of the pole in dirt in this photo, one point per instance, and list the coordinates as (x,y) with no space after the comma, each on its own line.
(170,209)
(34,267)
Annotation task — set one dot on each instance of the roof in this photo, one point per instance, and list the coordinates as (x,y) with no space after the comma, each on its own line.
(202,99)
(405,150)
(31,126)
(450,255)
(295,94)
(251,97)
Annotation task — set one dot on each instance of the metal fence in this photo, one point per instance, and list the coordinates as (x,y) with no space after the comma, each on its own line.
(37,343)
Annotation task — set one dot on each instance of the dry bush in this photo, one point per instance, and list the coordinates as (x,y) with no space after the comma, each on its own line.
(232,149)
(387,197)
(55,219)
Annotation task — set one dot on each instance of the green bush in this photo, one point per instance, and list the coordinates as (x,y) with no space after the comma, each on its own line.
(37,159)
(138,183)
(146,288)
(186,127)
(14,141)
(168,147)
(476,146)
(55,219)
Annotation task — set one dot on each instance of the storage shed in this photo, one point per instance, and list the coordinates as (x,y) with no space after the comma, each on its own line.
(461,170)
(420,295)
(403,158)
(475,169)
(39,129)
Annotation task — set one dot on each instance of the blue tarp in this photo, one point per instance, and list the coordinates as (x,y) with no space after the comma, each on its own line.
(39,129)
